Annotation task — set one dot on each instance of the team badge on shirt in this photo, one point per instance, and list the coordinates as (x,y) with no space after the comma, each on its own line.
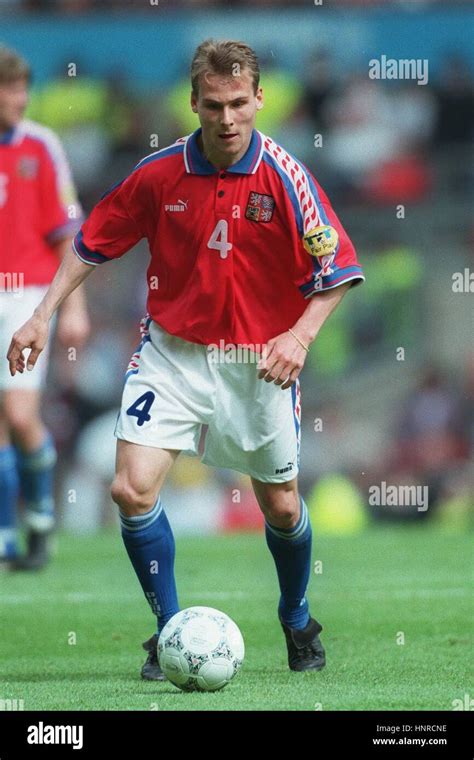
(260,207)
(27,167)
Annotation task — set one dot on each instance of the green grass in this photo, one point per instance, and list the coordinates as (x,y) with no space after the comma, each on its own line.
(412,580)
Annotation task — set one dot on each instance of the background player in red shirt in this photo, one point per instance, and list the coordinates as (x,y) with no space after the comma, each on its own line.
(38,213)
(231,220)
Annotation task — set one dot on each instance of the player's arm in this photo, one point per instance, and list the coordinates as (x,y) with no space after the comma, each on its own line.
(320,307)
(34,333)
(61,215)
(286,353)
(73,326)
(326,266)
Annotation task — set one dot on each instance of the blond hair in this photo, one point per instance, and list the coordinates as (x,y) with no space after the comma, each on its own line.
(227,57)
(13,67)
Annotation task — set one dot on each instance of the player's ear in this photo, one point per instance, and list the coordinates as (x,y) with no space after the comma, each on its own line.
(259,96)
(193,102)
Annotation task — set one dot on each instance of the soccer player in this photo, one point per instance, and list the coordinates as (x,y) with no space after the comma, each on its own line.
(38,214)
(231,220)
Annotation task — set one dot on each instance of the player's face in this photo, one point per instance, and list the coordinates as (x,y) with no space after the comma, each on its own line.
(13,101)
(226,106)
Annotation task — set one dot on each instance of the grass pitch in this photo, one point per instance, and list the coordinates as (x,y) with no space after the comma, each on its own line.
(376,590)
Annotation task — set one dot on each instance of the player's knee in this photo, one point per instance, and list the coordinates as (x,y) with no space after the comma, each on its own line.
(131,500)
(20,422)
(281,508)
(279,502)
(282,515)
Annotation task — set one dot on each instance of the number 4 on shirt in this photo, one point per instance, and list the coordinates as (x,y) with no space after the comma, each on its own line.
(218,239)
(141,407)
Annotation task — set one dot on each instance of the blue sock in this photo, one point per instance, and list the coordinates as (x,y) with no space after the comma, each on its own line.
(149,542)
(9,487)
(37,483)
(291,550)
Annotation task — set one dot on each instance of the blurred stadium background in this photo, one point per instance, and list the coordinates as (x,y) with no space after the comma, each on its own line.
(396,162)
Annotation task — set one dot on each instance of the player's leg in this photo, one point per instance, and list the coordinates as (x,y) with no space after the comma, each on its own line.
(167,397)
(9,481)
(36,458)
(9,488)
(34,448)
(256,429)
(288,535)
(146,532)
(289,538)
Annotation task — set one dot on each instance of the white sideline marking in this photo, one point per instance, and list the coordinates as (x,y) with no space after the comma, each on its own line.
(78,597)
(420,593)
(85,596)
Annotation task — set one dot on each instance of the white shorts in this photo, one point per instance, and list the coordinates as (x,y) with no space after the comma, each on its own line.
(15,309)
(173,388)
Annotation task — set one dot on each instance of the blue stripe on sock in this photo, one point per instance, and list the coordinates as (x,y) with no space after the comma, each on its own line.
(36,470)
(42,459)
(291,550)
(150,546)
(141,522)
(295,532)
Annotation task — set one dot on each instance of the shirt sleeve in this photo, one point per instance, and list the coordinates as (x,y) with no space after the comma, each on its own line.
(333,259)
(61,213)
(114,225)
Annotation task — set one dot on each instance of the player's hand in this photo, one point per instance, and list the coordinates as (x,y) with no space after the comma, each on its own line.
(73,326)
(33,335)
(282,361)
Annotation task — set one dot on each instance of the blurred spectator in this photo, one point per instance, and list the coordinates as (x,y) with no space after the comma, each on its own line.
(320,83)
(361,132)
(74,104)
(429,430)
(297,134)
(123,115)
(377,138)
(432,440)
(282,92)
(99,121)
(466,411)
(414,114)
(454,94)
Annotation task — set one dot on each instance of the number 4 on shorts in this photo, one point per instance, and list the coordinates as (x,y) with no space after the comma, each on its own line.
(141,407)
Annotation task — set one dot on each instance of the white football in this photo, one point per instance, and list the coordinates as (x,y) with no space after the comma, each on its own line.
(200,649)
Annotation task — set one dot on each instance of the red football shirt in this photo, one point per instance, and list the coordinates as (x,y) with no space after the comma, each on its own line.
(227,258)
(38,205)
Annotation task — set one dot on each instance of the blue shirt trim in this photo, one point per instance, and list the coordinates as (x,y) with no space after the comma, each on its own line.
(198,163)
